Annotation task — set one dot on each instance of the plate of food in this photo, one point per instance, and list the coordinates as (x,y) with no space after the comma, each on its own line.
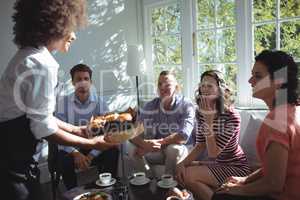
(177,194)
(117,127)
(99,195)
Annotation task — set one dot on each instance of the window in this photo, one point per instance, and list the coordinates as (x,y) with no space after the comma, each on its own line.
(276,25)
(166,39)
(216,37)
(192,36)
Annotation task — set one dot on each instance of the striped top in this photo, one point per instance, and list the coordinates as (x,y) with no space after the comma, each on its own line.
(226,128)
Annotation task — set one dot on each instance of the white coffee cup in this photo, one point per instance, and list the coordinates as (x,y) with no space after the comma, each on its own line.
(105,178)
(139,177)
(167,179)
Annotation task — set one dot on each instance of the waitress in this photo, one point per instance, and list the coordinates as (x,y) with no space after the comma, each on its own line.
(27,99)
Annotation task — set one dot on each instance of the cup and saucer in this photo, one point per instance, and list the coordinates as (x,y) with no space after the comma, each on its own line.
(105,180)
(139,178)
(167,181)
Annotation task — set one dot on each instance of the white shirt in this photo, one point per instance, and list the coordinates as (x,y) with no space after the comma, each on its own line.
(27,87)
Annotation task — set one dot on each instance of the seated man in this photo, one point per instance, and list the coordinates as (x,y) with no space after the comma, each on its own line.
(168,122)
(77,108)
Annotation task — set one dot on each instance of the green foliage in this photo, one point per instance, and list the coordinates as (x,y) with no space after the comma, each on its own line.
(265,35)
(166,20)
(290,38)
(166,39)
(216,34)
(218,44)
(225,13)
(264,10)
(289,8)
(206,14)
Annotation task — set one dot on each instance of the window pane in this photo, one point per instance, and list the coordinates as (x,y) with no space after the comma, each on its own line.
(167,49)
(264,10)
(206,46)
(230,75)
(226,45)
(206,14)
(204,68)
(290,38)
(225,13)
(289,8)
(166,20)
(176,68)
(264,37)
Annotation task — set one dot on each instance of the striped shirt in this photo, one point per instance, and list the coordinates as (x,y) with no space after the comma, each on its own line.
(232,160)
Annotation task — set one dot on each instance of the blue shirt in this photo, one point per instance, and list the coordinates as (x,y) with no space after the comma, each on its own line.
(160,123)
(70,109)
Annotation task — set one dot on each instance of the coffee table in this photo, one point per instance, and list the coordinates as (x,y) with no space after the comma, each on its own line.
(149,191)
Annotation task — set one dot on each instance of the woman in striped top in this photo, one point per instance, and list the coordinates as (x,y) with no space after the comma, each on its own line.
(217,131)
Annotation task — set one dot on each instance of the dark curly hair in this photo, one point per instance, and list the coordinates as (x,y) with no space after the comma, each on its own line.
(39,22)
(225,100)
(281,65)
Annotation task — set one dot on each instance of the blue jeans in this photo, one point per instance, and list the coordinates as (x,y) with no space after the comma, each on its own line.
(107,161)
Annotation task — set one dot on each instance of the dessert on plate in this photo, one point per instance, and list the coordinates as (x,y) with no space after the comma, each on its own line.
(117,127)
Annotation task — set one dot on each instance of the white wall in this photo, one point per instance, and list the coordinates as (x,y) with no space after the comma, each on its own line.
(102,45)
(7,48)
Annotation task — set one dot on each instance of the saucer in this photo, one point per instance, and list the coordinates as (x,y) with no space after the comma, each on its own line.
(134,182)
(112,181)
(162,185)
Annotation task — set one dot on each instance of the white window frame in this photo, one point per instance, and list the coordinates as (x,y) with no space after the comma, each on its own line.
(244,46)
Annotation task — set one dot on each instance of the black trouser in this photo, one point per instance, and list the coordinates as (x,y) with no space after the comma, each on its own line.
(237,197)
(22,186)
(19,175)
(106,161)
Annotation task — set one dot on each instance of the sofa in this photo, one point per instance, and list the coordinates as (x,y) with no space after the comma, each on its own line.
(250,122)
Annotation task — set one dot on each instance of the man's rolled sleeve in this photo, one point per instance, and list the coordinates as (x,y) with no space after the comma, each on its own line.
(186,125)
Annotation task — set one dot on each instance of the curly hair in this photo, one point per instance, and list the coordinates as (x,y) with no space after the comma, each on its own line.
(225,100)
(40,22)
(281,65)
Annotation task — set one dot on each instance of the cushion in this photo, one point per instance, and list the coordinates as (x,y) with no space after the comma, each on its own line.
(251,122)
